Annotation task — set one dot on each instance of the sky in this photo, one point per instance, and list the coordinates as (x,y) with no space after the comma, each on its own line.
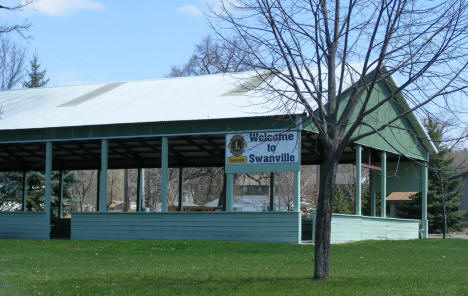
(95,41)
(92,41)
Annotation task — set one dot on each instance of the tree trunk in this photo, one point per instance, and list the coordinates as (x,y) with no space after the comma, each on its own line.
(126,199)
(323,219)
(222,195)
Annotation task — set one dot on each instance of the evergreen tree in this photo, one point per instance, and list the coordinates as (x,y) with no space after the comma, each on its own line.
(37,78)
(342,201)
(441,185)
(11,190)
(69,180)
(36,179)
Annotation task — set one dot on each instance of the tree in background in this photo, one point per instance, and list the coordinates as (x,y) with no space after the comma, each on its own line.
(442,188)
(11,72)
(11,63)
(35,180)
(10,190)
(12,55)
(69,180)
(442,193)
(86,190)
(212,57)
(36,77)
(343,202)
(36,187)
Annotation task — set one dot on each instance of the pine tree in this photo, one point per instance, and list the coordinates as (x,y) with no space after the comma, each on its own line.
(342,201)
(69,180)
(442,185)
(37,78)
(35,180)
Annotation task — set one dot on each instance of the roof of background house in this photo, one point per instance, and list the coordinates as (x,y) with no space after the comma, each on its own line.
(400,196)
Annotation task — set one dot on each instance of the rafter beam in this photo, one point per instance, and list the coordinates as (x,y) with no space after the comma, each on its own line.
(18,159)
(201,147)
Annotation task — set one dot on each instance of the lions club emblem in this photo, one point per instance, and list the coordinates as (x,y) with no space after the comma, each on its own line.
(237,146)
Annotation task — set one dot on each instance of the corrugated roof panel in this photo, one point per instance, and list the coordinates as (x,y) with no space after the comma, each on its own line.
(171,99)
(92,94)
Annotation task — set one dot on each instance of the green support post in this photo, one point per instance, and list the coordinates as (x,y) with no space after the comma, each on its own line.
(358,179)
(272,192)
(229,191)
(140,189)
(126,199)
(297,191)
(372,193)
(48,178)
(164,172)
(297,186)
(60,208)
(102,197)
(98,185)
(383,184)
(181,189)
(297,202)
(425,228)
(223,193)
(24,191)
(297,180)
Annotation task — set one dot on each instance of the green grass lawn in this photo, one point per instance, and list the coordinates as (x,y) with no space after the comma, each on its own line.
(421,267)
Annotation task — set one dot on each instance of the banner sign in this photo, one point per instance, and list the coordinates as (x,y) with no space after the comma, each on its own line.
(262,148)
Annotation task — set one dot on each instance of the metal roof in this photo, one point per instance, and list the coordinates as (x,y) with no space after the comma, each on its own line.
(218,96)
(171,99)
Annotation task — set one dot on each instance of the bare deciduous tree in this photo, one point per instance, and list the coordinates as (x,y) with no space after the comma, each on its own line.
(304,49)
(11,63)
(11,55)
(15,28)
(86,189)
(211,57)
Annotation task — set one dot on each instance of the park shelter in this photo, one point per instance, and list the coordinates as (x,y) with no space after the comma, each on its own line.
(192,122)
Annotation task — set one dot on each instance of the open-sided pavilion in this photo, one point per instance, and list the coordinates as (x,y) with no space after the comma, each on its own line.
(203,121)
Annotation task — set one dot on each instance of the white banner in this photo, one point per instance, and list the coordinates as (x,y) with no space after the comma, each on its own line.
(262,148)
